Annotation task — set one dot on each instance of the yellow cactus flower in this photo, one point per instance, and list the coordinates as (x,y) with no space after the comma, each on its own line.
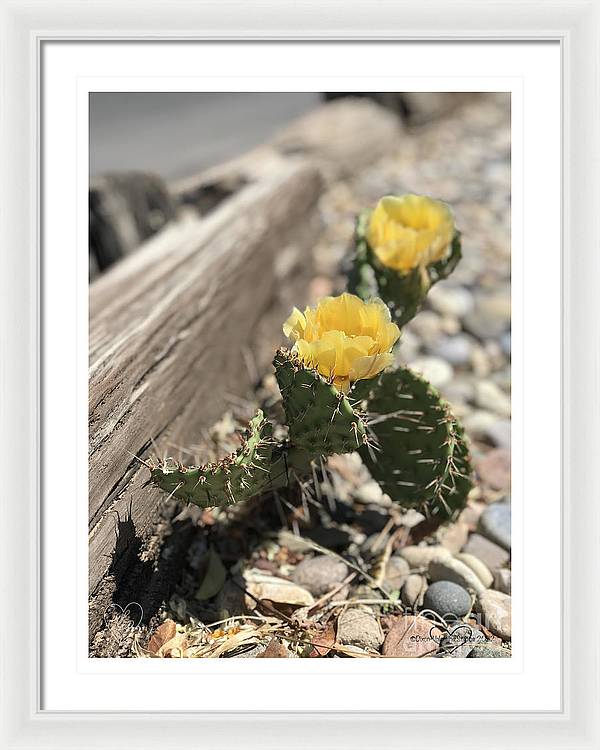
(410,231)
(344,338)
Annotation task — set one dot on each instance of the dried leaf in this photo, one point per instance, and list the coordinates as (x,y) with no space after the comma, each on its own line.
(275,650)
(174,648)
(323,642)
(277,590)
(411,636)
(163,633)
(250,634)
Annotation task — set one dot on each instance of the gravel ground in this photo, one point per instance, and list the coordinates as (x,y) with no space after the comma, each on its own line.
(335,569)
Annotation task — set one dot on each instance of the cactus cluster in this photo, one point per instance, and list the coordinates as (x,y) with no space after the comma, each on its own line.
(340,388)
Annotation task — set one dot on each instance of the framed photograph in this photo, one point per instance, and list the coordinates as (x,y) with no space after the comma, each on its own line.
(300,374)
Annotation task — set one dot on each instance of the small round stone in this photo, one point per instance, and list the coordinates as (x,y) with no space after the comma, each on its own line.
(320,574)
(427,326)
(408,346)
(494,524)
(493,468)
(502,580)
(453,537)
(358,627)
(420,557)
(451,300)
(480,569)
(447,598)
(454,349)
(499,433)
(490,397)
(496,610)
(489,553)
(437,371)
(478,423)
(456,571)
(491,316)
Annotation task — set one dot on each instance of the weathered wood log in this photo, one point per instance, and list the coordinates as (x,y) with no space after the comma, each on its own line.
(342,137)
(128,208)
(125,209)
(424,106)
(415,107)
(171,323)
(168,329)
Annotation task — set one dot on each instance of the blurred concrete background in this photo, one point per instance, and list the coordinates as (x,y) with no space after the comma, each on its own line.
(175,134)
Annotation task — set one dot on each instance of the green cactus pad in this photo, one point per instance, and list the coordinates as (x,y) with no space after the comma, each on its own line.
(419,455)
(321,419)
(237,477)
(403,293)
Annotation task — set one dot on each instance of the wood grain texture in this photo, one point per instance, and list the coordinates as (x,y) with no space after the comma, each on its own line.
(173,325)
(169,327)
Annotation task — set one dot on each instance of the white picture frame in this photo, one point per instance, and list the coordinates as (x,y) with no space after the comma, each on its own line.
(24,27)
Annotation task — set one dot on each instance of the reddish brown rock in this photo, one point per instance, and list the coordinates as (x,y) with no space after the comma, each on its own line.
(494,469)
(411,637)
(489,553)
(470,515)
(453,537)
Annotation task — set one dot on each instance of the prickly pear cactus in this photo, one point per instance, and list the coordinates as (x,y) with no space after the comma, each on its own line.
(405,432)
(419,456)
(240,476)
(321,419)
(403,293)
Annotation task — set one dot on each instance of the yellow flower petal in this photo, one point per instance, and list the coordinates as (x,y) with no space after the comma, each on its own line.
(340,313)
(349,349)
(304,350)
(409,230)
(295,325)
(388,335)
(311,331)
(367,367)
(344,338)
(325,354)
